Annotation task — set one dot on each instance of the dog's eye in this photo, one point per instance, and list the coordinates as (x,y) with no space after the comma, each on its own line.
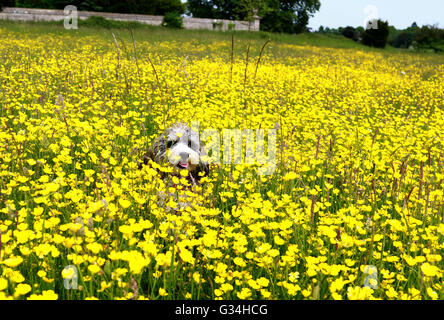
(189,143)
(170,144)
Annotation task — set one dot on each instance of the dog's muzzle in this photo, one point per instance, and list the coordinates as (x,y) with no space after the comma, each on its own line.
(183,156)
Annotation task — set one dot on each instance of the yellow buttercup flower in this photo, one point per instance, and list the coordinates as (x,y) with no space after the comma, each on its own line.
(13,262)
(22,289)
(45,295)
(162,292)
(429,270)
(3,284)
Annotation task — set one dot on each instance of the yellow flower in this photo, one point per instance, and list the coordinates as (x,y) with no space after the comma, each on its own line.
(252,283)
(94,247)
(104,285)
(263,282)
(336,296)
(244,294)
(3,284)
(432,294)
(196,277)
(359,293)
(37,211)
(124,203)
(186,255)
(22,289)
(278,240)
(266,294)
(337,285)
(46,295)
(306,292)
(3,296)
(218,292)
(391,293)
(239,261)
(289,176)
(42,273)
(311,272)
(225,287)
(162,292)
(16,276)
(93,268)
(429,270)
(13,262)
(67,273)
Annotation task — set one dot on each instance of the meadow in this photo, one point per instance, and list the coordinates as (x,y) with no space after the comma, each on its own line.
(354,209)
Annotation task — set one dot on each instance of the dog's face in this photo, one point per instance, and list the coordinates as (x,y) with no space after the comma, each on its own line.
(180,147)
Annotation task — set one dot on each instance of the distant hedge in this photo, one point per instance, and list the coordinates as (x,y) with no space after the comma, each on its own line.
(376,34)
(429,37)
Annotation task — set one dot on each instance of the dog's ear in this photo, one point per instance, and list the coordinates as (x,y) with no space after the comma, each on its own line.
(146,158)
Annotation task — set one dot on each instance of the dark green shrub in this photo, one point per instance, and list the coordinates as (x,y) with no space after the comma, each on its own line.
(376,37)
(97,21)
(402,40)
(429,37)
(6,3)
(101,22)
(218,25)
(351,33)
(172,20)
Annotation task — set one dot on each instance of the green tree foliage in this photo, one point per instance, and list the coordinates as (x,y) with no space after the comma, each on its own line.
(172,20)
(220,9)
(6,3)
(289,16)
(155,7)
(402,39)
(376,37)
(351,33)
(429,37)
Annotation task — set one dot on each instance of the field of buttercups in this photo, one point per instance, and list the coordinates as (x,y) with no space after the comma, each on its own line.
(353,210)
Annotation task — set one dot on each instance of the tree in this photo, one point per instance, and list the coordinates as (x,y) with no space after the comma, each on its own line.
(290,16)
(403,39)
(172,20)
(213,9)
(247,9)
(376,37)
(430,37)
(351,33)
(6,3)
(155,7)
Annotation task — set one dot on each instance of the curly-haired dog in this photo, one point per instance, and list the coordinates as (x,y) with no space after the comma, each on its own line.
(179,146)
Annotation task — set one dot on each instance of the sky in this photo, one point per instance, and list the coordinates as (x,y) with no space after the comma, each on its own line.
(399,13)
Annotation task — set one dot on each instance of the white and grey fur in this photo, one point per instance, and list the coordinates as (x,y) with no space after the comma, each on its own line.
(179,146)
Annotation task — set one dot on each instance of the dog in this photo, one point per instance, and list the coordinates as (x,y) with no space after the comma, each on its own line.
(180,147)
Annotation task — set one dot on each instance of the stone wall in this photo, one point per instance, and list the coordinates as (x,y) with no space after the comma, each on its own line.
(26,14)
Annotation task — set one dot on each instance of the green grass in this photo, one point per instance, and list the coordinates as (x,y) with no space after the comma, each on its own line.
(156,33)
(104,29)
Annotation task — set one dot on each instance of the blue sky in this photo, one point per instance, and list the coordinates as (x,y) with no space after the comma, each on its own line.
(399,13)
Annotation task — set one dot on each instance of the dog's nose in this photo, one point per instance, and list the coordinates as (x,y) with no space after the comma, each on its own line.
(184,156)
